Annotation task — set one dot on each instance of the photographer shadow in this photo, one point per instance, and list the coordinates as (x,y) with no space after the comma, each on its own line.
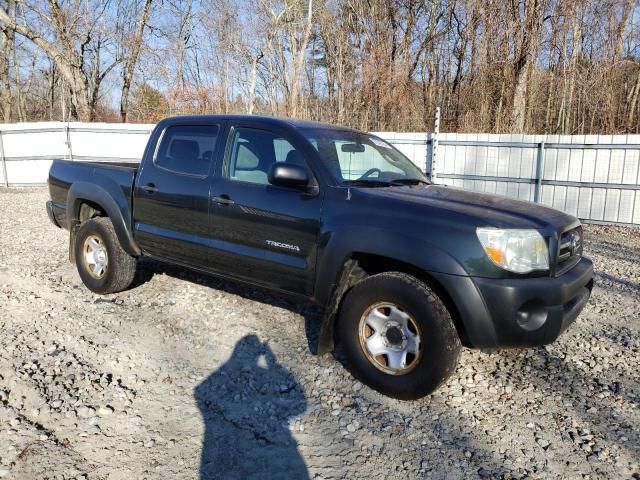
(246,405)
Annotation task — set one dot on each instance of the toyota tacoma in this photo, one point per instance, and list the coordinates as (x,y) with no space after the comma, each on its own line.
(407,271)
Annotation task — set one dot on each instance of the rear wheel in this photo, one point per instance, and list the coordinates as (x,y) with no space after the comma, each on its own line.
(103,265)
(398,335)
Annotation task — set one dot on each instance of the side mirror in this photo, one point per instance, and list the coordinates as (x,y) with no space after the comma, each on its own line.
(288,175)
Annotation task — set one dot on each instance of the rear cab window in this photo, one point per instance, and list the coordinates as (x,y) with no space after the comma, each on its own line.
(187,149)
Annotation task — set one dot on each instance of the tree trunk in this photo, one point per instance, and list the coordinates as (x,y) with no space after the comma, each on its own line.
(8,46)
(52,89)
(633,103)
(252,82)
(80,96)
(529,27)
(621,27)
(183,38)
(299,63)
(519,105)
(132,59)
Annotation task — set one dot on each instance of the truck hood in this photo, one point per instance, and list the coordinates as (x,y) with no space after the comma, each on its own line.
(480,208)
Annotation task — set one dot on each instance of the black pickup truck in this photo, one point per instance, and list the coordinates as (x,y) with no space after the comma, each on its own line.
(407,271)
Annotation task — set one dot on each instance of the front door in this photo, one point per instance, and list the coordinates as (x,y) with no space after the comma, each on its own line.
(171,204)
(260,232)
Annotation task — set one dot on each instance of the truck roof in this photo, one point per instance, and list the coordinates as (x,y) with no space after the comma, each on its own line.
(267,119)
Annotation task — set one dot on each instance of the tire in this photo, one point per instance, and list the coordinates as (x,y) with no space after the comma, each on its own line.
(96,241)
(405,309)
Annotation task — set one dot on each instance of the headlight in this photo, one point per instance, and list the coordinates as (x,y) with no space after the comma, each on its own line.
(519,251)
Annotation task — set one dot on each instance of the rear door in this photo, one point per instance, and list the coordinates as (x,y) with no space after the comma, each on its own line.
(260,232)
(171,203)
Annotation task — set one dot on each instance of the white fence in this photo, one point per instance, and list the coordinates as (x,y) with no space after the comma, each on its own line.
(27,149)
(595,177)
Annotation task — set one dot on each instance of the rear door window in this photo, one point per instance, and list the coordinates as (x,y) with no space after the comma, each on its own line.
(187,149)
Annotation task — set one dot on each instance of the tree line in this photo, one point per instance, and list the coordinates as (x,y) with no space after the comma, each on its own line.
(520,66)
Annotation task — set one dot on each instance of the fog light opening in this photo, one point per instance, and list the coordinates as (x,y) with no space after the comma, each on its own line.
(532,315)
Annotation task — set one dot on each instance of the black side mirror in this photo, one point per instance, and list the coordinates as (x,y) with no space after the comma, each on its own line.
(288,175)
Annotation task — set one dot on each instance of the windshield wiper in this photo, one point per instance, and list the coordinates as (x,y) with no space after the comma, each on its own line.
(366,183)
(408,181)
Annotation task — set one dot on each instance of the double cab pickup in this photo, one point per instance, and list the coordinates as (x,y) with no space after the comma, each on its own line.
(407,271)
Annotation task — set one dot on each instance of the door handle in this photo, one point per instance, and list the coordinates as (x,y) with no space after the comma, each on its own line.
(223,200)
(149,188)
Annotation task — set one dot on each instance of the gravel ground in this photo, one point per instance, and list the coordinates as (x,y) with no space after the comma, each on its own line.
(187,376)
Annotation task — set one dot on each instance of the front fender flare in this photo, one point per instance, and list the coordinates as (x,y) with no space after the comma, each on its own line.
(337,270)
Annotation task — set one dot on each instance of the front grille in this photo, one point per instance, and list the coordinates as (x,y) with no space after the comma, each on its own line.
(569,250)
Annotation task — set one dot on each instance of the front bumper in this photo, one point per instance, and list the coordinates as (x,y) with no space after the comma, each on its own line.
(520,312)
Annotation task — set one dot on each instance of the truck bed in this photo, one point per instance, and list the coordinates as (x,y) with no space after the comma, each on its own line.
(110,176)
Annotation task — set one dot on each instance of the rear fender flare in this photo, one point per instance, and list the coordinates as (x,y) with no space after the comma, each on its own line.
(119,215)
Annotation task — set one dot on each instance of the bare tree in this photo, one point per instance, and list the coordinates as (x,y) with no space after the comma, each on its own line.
(557,66)
(298,46)
(527,19)
(6,50)
(131,59)
(75,47)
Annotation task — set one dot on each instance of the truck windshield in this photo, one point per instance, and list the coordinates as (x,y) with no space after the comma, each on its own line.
(356,158)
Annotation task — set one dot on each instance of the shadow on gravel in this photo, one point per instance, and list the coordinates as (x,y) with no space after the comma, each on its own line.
(312,315)
(246,405)
(609,249)
(566,380)
(616,281)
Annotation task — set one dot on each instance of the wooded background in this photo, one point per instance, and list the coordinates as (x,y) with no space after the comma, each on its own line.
(537,66)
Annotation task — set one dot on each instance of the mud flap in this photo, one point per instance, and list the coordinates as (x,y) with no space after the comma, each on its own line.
(351,274)
(72,242)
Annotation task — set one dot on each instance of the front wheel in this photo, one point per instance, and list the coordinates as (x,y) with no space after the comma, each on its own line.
(102,263)
(398,335)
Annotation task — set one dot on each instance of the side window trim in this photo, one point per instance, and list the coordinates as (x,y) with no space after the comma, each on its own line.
(226,160)
(230,148)
(187,174)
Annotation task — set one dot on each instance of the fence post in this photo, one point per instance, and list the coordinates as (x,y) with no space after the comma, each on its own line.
(68,142)
(4,162)
(539,172)
(434,146)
